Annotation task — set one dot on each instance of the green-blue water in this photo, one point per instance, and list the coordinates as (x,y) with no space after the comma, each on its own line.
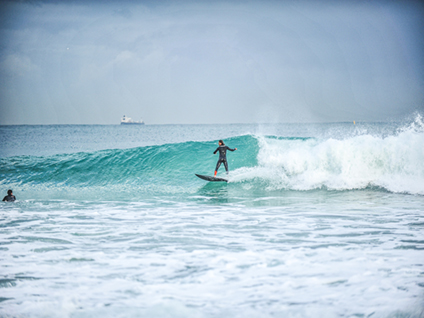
(317,220)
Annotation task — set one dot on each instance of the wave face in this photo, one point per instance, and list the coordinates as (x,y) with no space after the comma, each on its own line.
(154,170)
(394,163)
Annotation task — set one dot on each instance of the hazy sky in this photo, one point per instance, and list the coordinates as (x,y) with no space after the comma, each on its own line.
(90,62)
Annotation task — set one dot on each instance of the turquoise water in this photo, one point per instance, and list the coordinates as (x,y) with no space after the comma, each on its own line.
(317,220)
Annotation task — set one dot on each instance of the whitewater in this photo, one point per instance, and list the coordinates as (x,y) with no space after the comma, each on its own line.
(317,220)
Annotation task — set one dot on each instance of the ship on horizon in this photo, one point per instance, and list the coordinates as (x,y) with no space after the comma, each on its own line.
(128,121)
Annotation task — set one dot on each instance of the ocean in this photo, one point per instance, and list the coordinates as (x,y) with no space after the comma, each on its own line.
(317,220)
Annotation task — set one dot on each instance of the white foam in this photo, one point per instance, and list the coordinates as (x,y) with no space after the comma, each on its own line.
(395,163)
(130,260)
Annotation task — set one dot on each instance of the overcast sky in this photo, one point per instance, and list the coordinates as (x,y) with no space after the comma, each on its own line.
(176,62)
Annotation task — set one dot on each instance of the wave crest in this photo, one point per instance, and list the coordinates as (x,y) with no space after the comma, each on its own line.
(394,163)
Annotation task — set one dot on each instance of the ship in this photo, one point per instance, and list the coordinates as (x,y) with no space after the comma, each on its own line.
(128,121)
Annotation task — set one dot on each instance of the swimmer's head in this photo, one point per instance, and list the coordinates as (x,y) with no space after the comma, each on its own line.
(9,192)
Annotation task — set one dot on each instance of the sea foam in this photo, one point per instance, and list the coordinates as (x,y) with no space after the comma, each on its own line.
(393,162)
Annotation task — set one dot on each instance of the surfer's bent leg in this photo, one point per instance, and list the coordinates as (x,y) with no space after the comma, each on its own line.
(217,166)
(226,165)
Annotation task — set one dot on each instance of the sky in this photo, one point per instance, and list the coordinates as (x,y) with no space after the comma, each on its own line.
(208,62)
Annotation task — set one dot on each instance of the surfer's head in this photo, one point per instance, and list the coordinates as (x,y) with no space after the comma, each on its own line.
(221,143)
(9,192)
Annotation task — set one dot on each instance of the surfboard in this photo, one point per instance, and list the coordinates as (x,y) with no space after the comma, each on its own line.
(208,178)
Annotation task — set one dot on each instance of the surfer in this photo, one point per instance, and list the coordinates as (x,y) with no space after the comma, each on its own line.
(9,197)
(222,148)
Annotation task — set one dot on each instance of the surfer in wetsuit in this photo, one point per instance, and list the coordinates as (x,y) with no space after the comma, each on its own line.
(222,155)
(9,197)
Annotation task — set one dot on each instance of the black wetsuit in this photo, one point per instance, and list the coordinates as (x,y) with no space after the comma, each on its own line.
(9,198)
(222,156)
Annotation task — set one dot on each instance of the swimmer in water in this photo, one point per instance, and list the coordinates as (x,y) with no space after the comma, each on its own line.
(9,197)
(222,156)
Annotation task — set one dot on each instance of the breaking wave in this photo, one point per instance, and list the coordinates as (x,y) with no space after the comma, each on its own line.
(393,162)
